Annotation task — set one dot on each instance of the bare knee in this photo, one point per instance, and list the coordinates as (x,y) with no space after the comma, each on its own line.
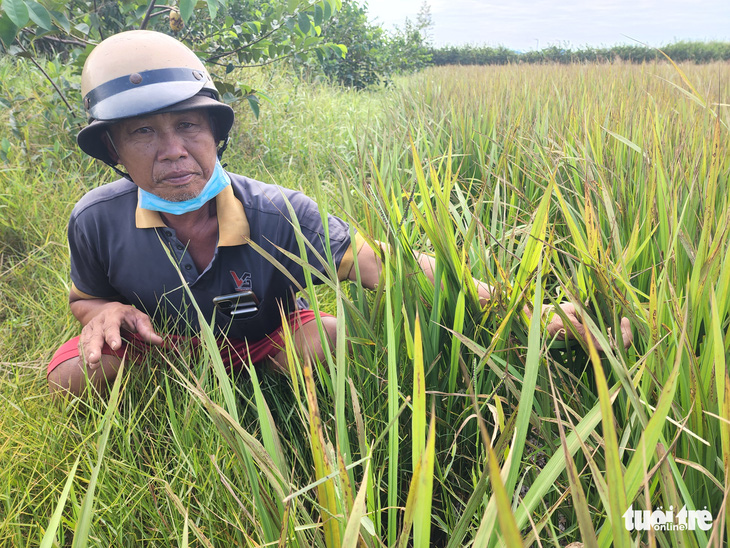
(72,377)
(309,342)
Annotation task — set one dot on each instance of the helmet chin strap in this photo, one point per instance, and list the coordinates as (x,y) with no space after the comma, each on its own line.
(114,166)
(119,171)
(222,149)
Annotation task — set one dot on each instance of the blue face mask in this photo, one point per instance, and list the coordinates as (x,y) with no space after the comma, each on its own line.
(217,182)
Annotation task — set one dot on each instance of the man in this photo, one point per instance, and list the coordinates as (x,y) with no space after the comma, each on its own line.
(153,110)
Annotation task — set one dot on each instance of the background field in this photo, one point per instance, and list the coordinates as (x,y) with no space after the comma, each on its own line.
(443,424)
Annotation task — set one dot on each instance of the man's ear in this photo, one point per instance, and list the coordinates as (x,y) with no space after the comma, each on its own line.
(110,148)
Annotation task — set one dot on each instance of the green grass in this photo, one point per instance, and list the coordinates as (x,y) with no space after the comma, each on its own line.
(439,423)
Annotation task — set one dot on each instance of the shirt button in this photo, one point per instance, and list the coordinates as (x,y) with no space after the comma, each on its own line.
(168,233)
(180,247)
(188,266)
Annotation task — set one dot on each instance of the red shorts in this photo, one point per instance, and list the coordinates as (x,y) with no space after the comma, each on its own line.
(235,353)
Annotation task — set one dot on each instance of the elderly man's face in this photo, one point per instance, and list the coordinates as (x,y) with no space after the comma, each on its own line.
(171,155)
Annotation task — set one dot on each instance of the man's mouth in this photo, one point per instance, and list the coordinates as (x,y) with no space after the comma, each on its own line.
(177,178)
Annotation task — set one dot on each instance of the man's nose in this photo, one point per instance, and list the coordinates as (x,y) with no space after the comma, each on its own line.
(171,145)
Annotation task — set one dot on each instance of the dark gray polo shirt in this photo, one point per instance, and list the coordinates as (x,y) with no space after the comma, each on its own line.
(117,254)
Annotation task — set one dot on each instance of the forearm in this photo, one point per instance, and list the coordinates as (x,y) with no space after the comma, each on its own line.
(428,265)
(84,310)
(486,292)
(370,267)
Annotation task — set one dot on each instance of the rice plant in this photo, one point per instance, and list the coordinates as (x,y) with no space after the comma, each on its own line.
(435,421)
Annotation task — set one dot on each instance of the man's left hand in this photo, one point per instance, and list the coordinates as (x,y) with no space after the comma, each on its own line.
(556,327)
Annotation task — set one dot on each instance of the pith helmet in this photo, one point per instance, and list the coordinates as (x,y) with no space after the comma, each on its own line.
(144,72)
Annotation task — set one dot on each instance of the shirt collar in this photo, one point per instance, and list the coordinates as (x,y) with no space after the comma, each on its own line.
(233,228)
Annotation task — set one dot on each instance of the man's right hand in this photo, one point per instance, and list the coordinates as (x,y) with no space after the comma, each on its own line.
(104,322)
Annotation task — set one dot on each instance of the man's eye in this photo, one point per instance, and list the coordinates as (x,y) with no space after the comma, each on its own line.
(187,126)
(142,130)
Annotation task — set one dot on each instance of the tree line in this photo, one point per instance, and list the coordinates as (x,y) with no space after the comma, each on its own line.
(681,51)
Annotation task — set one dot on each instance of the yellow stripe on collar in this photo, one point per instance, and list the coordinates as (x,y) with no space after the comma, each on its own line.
(145,218)
(233,226)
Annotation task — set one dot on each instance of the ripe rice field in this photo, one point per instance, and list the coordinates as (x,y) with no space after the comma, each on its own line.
(434,422)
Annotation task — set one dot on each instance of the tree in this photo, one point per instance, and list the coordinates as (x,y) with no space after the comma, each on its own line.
(407,50)
(223,35)
(424,23)
(374,55)
(364,63)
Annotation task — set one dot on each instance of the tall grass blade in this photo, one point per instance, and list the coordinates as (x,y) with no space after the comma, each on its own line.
(49,537)
(614,473)
(588,533)
(722,382)
(228,419)
(269,432)
(325,491)
(83,525)
(418,421)
(392,296)
(417,513)
(180,507)
(532,361)
(556,464)
(351,537)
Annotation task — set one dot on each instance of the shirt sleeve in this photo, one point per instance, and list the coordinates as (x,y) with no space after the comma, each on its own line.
(88,275)
(348,259)
(327,236)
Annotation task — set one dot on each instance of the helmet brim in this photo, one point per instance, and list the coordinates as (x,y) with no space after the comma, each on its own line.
(90,139)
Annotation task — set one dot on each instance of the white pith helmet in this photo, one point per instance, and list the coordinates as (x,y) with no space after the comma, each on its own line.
(144,72)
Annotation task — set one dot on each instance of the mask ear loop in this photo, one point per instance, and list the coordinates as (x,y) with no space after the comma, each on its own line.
(114,166)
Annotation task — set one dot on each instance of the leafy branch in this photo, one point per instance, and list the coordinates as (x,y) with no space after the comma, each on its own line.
(276,33)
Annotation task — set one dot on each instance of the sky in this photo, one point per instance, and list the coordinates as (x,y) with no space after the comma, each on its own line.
(526,25)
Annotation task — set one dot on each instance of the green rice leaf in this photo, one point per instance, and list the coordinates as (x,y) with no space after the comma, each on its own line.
(83,525)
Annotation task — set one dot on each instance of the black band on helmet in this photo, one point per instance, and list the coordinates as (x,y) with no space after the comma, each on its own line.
(182,78)
(141,79)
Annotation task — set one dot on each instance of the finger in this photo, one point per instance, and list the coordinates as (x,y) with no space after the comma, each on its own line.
(91,343)
(568,308)
(596,343)
(555,328)
(584,332)
(578,329)
(148,335)
(112,335)
(626,332)
(142,325)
